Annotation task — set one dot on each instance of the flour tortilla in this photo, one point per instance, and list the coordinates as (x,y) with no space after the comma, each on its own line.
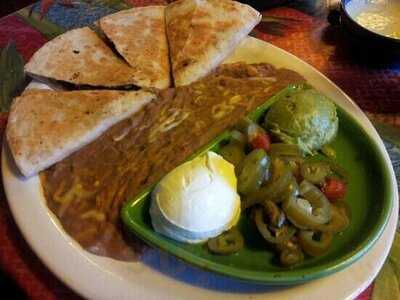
(202,33)
(139,36)
(80,57)
(46,126)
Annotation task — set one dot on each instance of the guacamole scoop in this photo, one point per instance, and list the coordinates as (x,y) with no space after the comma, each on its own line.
(305,117)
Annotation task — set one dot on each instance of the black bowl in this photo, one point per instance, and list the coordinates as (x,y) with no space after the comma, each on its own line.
(264,4)
(361,35)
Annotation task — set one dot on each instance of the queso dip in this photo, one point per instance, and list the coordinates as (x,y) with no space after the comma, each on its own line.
(379,16)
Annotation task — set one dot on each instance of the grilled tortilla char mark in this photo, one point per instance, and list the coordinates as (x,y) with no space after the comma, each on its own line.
(87,189)
(139,36)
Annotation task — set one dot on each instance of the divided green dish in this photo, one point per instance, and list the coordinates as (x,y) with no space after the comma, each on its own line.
(369,197)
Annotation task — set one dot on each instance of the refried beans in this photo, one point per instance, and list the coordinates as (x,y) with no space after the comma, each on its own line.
(87,189)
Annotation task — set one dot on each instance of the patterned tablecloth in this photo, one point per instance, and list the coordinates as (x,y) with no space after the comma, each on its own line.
(300,27)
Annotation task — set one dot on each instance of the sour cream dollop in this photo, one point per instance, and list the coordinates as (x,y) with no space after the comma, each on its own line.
(197,200)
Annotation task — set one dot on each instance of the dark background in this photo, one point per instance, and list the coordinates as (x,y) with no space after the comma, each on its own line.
(9,6)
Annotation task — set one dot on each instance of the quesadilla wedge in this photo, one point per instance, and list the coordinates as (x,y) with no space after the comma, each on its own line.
(139,36)
(202,33)
(46,126)
(80,57)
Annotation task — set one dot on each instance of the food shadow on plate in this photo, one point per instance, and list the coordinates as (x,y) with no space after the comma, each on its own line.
(12,165)
(173,267)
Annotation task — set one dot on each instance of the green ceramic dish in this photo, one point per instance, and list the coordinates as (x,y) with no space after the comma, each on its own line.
(369,196)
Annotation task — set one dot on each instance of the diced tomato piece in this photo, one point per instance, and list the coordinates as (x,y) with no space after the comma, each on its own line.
(334,189)
(261,141)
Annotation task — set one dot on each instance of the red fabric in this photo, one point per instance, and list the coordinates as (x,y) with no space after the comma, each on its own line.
(28,39)
(366,294)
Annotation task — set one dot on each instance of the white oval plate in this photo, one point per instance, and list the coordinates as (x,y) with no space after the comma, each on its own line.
(159,276)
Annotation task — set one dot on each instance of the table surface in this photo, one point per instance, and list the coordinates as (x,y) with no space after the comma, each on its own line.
(372,81)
